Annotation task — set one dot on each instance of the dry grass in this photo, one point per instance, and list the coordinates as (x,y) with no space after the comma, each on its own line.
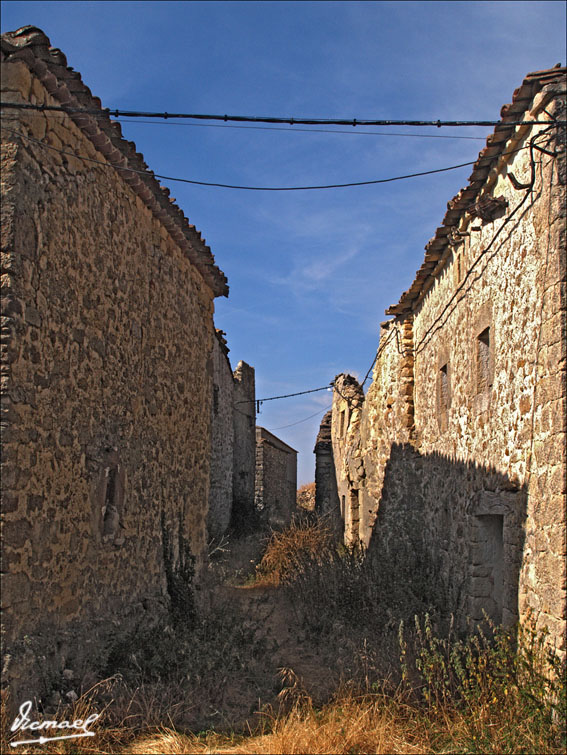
(350,724)
(287,552)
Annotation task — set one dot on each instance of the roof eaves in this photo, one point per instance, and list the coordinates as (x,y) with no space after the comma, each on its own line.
(488,157)
(30,45)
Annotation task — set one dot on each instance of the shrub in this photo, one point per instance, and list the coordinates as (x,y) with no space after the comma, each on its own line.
(288,553)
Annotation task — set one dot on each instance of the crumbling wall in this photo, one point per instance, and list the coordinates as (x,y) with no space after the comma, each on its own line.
(348,402)
(326,494)
(107,386)
(222,441)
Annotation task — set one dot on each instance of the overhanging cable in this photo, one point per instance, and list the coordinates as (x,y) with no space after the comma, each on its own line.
(117,113)
(235,186)
(294,130)
(287,395)
(315,414)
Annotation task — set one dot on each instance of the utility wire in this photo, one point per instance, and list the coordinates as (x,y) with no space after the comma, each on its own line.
(116,113)
(288,395)
(234,186)
(310,130)
(289,130)
(283,427)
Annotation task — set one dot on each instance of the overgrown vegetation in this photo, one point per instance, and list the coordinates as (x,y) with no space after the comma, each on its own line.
(411,682)
(179,574)
(196,654)
(353,600)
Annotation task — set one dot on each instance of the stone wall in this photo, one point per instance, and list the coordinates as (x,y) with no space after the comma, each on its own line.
(326,494)
(107,335)
(222,441)
(459,446)
(276,479)
(244,457)
(348,400)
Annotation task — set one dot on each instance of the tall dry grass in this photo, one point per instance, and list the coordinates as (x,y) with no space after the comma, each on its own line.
(308,540)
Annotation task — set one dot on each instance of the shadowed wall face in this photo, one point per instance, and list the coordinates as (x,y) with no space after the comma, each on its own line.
(222,441)
(326,494)
(244,453)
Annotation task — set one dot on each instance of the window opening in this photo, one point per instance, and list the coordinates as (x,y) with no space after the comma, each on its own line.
(342,427)
(483,360)
(111,518)
(444,388)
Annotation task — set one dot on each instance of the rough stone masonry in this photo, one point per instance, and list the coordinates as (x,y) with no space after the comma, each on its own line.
(107,339)
(459,446)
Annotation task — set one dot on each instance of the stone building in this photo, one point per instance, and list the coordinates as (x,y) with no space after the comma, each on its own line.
(326,494)
(459,446)
(244,456)
(107,368)
(233,447)
(253,473)
(276,479)
(222,441)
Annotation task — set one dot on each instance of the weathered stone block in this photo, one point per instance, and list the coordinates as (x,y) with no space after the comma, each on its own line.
(16,77)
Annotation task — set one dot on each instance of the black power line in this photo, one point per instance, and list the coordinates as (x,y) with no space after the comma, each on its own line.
(287,395)
(235,186)
(295,130)
(117,113)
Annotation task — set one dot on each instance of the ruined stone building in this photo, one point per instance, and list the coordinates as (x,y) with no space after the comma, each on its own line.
(459,445)
(276,479)
(253,473)
(233,447)
(244,456)
(107,344)
(326,493)
(121,416)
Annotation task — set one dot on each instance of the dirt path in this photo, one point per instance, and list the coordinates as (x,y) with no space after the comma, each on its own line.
(283,645)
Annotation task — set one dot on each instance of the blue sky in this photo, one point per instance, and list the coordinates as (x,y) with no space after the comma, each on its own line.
(310,273)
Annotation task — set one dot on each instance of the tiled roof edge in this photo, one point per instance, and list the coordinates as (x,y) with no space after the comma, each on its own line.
(30,45)
(487,159)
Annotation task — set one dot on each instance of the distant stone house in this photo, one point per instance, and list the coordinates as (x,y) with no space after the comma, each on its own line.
(253,473)
(264,467)
(460,443)
(276,479)
(107,373)
(326,494)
